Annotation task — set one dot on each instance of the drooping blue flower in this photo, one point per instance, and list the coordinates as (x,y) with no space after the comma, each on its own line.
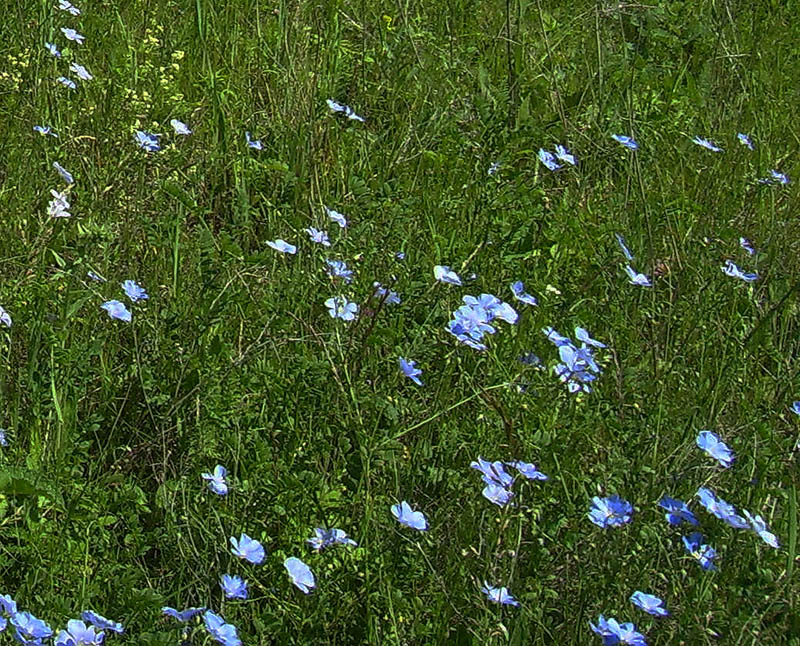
(51,47)
(410,370)
(233,586)
(45,130)
(776,177)
(496,494)
(326,537)
(101,622)
(5,317)
(179,127)
(388,296)
(582,335)
(610,512)
(745,244)
(730,269)
(117,310)
(339,307)
(625,251)
(79,634)
(548,160)
(704,554)
(71,34)
(518,289)
(344,109)
(29,630)
(147,141)
(626,141)
(67,82)
(66,5)
(282,246)
(498,595)
(320,237)
(759,526)
(248,549)
(705,143)
(614,633)
(300,574)
(677,511)
(405,515)
(82,73)
(564,155)
(253,143)
(8,605)
(636,278)
(716,448)
(216,480)
(527,470)
(338,269)
(721,509)
(337,217)
(444,274)
(224,633)
(650,603)
(134,291)
(745,140)
(182,615)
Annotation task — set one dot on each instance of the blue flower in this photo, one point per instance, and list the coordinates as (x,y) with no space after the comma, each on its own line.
(117,310)
(493,473)
(613,632)
(320,237)
(705,143)
(95,277)
(224,633)
(745,140)
(400,255)
(179,127)
(410,370)
(776,177)
(216,480)
(583,336)
(338,269)
(147,141)
(253,143)
(344,109)
(408,517)
(45,130)
(337,217)
(528,470)
(564,155)
(498,595)
(234,587)
(626,252)
(66,82)
(5,317)
(29,630)
(339,307)
(326,537)
(636,278)
(71,34)
(8,605)
(65,174)
(651,604)
(704,554)
(66,5)
(715,447)
(444,274)
(745,244)
(79,634)
(248,549)
(58,206)
(730,269)
(3,442)
(51,47)
(493,168)
(677,511)
(500,496)
(626,141)
(610,512)
(134,291)
(518,289)
(182,615)
(548,160)
(795,405)
(300,574)
(101,622)
(81,71)
(721,509)
(759,526)
(282,246)
(388,296)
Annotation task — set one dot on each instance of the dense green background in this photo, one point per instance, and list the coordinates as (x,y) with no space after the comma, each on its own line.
(235,360)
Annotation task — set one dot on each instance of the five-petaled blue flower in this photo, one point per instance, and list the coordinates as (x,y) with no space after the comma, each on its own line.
(721,509)
(636,278)
(338,269)
(179,127)
(410,370)
(759,526)
(344,109)
(626,141)
(337,217)
(134,291)
(610,512)
(326,537)
(223,632)
(340,308)
(79,634)
(216,480)
(248,549)
(29,630)
(677,511)
(548,159)
(498,495)
(408,517)
(67,82)
(444,274)
(320,237)
(147,141)
(252,143)
(704,554)
(233,586)
(527,470)
(614,633)
(715,447)
(45,130)
(5,317)
(518,289)
(51,47)
(71,34)
(498,595)
(182,615)
(117,310)
(564,155)
(300,574)
(650,603)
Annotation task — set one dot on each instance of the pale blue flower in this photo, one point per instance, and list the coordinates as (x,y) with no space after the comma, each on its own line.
(730,269)
(498,595)
(320,237)
(147,141)
(53,49)
(282,246)
(715,447)
(518,289)
(408,517)
(444,274)
(3,442)
(500,496)
(300,574)
(795,405)
(101,622)
(71,34)
(65,174)
(338,269)
(216,480)
(29,630)
(760,527)
(45,130)
(636,278)
(179,127)
(253,143)
(339,307)
(66,5)
(493,473)
(677,511)
(527,470)
(720,508)
(704,554)
(5,317)
(745,244)
(626,252)
(495,166)
(182,615)
(58,206)
(410,370)
(548,160)
(344,109)
(388,296)
(708,145)
(134,291)
(745,140)
(233,586)
(67,82)
(79,634)
(582,335)
(650,603)
(326,537)
(81,71)
(117,310)
(564,155)
(626,141)
(223,632)
(248,549)
(610,512)
(336,217)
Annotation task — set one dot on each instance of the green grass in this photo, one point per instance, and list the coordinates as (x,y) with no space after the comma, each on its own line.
(235,360)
